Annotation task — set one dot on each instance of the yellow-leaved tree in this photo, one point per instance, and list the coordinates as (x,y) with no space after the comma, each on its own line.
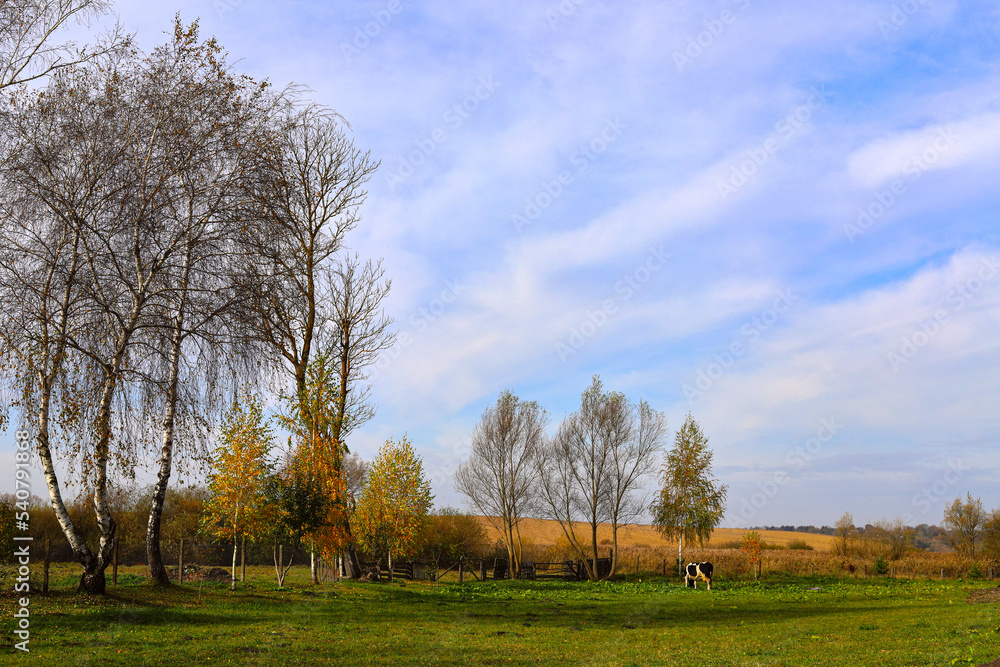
(312,489)
(239,507)
(395,502)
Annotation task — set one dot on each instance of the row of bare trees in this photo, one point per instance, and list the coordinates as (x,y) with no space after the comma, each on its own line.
(170,230)
(592,471)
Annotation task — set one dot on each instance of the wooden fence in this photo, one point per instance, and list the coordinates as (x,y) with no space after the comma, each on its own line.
(482,569)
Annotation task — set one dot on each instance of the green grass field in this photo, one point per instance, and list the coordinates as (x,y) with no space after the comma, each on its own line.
(652,622)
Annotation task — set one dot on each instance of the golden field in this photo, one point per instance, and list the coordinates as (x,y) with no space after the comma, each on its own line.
(545,533)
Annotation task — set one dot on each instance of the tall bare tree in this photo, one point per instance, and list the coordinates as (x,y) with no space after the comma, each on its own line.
(635,444)
(67,168)
(215,116)
(308,188)
(358,331)
(500,476)
(593,469)
(28,29)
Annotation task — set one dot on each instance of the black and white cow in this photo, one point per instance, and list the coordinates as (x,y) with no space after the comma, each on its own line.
(695,571)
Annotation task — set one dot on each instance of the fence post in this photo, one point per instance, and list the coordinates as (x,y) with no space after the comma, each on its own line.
(942,573)
(482,569)
(180,563)
(48,559)
(460,569)
(813,568)
(114,563)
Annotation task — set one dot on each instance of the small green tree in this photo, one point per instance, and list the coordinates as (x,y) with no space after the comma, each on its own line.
(395,502)
(240,506)
(304,507)
(691,503)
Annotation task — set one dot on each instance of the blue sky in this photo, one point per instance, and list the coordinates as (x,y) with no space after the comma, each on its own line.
(781,217)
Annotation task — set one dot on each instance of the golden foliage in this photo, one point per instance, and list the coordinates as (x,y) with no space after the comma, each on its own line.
(395,502)
(239,506)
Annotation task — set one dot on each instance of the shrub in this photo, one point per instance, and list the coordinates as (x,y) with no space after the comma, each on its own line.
(450,534)
(799,545)
(881,565)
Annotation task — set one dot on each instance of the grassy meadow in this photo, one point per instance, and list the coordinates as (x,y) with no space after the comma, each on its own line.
(788,620)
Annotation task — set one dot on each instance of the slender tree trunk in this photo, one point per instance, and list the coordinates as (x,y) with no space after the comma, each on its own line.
(593,540)
(312,566)
(80,549)
(515,557)
(92,580)
(680,554)
(243,560)
(154,557)
(352,554)
(281,566)
(236,548)
(614,550)
(518,545)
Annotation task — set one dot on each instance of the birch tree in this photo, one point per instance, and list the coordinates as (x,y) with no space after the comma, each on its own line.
(240,506)
(113,178)
(395,502)
(691,503)
(214,117)
(82,226)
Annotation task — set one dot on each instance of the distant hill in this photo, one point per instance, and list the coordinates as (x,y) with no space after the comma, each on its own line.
(543,532)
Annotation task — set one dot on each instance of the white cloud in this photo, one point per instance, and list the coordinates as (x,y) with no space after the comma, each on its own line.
(938,146)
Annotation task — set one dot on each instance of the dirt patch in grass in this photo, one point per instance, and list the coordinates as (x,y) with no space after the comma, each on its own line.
(986,595)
